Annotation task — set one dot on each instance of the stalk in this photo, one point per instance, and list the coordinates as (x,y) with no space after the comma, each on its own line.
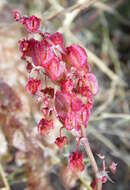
(88,150)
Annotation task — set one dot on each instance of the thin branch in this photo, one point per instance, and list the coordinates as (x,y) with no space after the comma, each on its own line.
(122,155)
(2,173)
(78,6)
(88,150)
(111,116)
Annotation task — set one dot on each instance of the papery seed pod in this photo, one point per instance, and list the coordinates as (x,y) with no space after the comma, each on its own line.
(16,15)
(76,56)
(33,86)
(32,24)
(45,126)
(93,84)
(61,141)
(76,161)
(55,69)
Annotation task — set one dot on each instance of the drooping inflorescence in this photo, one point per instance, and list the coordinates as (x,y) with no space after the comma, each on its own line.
(70,99)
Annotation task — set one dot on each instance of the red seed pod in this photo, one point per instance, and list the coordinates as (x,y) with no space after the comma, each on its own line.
(61,141)
(67,85)
(32,24)
(76,56)
(92,83)
(76,103)
(49,91)
(45,126)
(33,86)
(76,161)
(24,47)
(62,104)
(93,184)
(29,67)
(57,40)
(16,15)
(55,69)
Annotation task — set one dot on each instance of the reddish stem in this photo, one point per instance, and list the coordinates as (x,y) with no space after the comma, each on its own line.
(92,159)
(78,143)
(61,131)
(45,82)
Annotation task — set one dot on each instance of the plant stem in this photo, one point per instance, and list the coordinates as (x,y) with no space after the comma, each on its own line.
(61,131)
(91,157)
(2,173)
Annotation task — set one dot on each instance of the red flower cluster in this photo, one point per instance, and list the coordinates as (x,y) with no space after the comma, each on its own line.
(66,67)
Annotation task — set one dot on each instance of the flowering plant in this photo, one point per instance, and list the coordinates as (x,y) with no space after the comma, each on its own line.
(70,96)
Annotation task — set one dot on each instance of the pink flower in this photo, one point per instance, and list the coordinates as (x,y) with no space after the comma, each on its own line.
(61,141)
(32,24)
(71,110)
(33,86)
(76,56)
(45,126)
(76,161)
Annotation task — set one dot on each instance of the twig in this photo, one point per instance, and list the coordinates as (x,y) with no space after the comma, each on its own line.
(111,116)
(107,102)
(124,157)
(84,182)
(2,173)
(78,6)
(85,142)
(111,10)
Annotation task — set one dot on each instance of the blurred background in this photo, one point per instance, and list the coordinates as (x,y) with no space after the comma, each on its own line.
(30,162)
